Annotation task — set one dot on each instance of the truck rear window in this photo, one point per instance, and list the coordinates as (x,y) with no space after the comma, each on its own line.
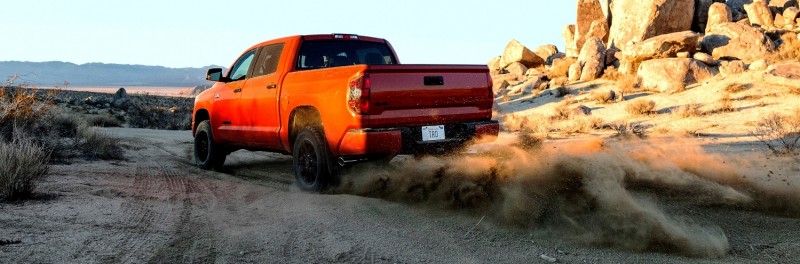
(335,53)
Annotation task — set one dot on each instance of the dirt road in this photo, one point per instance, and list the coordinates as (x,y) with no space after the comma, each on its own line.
(156,207)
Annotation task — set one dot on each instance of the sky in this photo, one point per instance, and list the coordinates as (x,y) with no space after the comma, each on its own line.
(182,33)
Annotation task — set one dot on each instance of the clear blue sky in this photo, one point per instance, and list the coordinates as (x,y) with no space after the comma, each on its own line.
(186,33)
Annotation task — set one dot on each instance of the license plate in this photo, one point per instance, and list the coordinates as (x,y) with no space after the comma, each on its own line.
(432,133)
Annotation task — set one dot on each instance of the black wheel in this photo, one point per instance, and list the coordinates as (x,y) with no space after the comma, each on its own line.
(311,158)
(207,154)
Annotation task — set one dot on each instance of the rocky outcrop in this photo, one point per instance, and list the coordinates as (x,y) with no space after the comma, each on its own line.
(637,20)
(589,11)
(599,29)
(758,13)
(517,69)
(718,13)
(546,52)
(670,75)
(568,33)
(659,47)
(736,41)
(516,52)
(705,58)
(592,59)
(727,68)
(494,65)
(790,16)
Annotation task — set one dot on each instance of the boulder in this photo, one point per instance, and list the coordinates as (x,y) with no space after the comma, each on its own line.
(736,41)
(517,69)
(516,52)
(779,22)
(592,58)
(701,14)
(605,5)
(758,65)
(727,68)
(569,41)
(599,29)
(575,71)
(121,93)
(554,57)
(790,15)
(533,72)
(611,55)
(526,87)
(705,58)
(502,86)
(498,80)
(560,67)
(718,13)
(494,65)
(660,47)
(546,51)
(670,75)
(777,6)
(758,13)
(784,74)
(588,12)
(637,20)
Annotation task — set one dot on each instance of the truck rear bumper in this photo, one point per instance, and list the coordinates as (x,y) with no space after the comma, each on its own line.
(408,140)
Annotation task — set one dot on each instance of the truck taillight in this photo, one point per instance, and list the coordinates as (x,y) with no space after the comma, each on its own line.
(490,90)
(358,94)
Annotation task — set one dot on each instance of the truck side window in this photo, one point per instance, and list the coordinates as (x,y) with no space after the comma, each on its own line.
(240,68)
(268,59)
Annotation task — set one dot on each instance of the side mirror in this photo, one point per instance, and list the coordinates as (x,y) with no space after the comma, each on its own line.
(214,74)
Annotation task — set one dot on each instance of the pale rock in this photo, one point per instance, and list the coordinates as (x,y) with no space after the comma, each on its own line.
(728,68)
(790,15)
(779,21)
(516,52)
(499,80)
(683,55)
(546,51)
(701,8)
(560,81)
(758,65)
(517,69)
(669,75)
(759,14)
(581,110)
(659,47)
(605,5)
(599,29)
(502,86)
(526,87)
(569,41)
(588,12)
(575,71)
(533,72)
(705,58)
(718,13)
(637,20)
(554,57)
(611,55)
(494,65)
(736,41)
(783,74)
(592,58)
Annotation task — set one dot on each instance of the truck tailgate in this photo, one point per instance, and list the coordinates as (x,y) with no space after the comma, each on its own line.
(412,95)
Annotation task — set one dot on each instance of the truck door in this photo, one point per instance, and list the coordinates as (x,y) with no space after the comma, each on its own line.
(227,115)
(259,100)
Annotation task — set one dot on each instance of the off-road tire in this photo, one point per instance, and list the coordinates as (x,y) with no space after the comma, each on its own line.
(207,154)
(311,160)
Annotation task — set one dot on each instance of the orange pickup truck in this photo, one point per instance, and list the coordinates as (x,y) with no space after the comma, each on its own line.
(331,100)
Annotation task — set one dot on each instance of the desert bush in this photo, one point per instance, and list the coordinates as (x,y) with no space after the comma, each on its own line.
(582,124)
(562,110)
(788,50)
(562,91)
(725,104)
(779,133)
(629,129)
(612,74)
(686,111)
(103,121)
(640,107)
(735,88)
(560,68)
(23,164)
(602,96)
(532,124)
(93,144)
(173,118)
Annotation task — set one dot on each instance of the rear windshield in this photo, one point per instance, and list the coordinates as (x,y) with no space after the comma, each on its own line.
(335,53)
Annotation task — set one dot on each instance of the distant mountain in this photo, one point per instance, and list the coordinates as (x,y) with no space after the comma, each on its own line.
(102,74)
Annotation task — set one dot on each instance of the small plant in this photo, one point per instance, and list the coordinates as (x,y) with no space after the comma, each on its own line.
(725,104)
(779,133)
(562,91)
(640,107)
(582,124)
(563,111)
(103,121)
(735,88)
(603,96)
(686,111)
(24,164)
(560,68)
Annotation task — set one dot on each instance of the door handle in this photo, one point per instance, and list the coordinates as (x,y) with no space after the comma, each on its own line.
(237,90)
(272,86)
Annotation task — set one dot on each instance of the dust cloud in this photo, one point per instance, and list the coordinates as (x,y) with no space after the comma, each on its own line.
(599,191)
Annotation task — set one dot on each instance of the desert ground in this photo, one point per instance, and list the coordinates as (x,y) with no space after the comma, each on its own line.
(711,195)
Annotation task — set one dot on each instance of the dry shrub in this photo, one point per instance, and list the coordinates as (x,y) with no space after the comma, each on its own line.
(562,91)
(24,164)
(103,121)
(640,107)
(562,110)
(582,124)
(725,104)
(534,124)
(789,50)
(602,96)
(173,118)
(94,144)
(612,74)
(560,68)
(779,133)
(686,111)
(626,83)
(735,88)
